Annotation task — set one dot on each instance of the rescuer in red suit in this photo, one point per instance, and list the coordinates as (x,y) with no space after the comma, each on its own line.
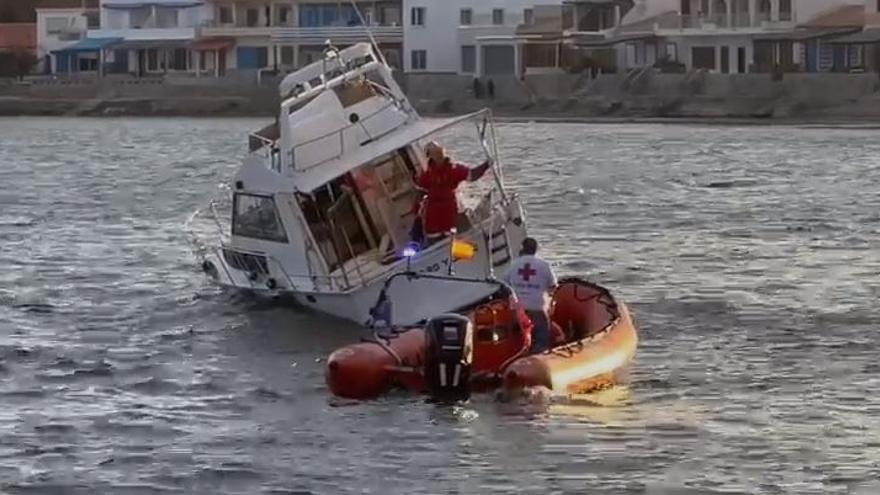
(439,181)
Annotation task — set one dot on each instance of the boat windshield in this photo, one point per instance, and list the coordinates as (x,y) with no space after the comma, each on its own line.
(257,217)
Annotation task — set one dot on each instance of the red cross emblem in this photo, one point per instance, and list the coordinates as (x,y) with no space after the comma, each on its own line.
(526,272)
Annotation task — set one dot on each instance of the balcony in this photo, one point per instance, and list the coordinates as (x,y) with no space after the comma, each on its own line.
(179,33)
(308,35)
(508,19)
(722,22)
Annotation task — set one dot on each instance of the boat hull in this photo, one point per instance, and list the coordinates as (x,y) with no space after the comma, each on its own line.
(414,299)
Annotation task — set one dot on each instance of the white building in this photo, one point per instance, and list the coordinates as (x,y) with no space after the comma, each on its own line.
(503,37)
(285,35)
(149,36)
(465,36)
(728,36)
(58,28)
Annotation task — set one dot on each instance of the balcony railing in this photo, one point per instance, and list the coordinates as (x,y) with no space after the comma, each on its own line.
(736,20)
(289,24)
(316,35)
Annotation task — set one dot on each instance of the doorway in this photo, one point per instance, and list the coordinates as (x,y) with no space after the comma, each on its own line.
(741,60)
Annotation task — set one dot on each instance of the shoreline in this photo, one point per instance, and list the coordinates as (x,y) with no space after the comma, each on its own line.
(510,117)
(243,107)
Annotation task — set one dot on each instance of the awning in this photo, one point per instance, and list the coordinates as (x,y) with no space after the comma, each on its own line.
(210,44)
(805,34)
(147,44)
(866,37)
(89,45)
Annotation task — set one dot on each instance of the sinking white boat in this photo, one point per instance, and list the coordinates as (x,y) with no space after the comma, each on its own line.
(322,207)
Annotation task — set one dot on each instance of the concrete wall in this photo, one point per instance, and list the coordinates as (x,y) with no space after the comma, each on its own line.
(666,95)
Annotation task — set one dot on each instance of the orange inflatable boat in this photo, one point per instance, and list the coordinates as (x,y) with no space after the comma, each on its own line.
(486,347)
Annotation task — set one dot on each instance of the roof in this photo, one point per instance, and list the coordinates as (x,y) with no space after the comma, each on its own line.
(316,177)
(868,36)
(18,35)
(845,16)
(216,43)
(89,45)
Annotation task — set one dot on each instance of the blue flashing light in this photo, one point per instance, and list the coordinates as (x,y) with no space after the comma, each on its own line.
(410,250)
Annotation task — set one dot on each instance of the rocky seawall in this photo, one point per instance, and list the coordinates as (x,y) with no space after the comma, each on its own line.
(639,95)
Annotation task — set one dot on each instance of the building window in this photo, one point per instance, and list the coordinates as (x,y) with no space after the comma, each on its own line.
(784,10)
(498,17)
(56,25)
(672,52)
(322,15)
(262,57)
(287,55)
(466,17)
(166,17)
(417,16)
(178,59)
(468,59)
(528,17)
(283,15)
(253,17)
(93,20)
(225,15)
(152,60)
(419,59)
(138,18)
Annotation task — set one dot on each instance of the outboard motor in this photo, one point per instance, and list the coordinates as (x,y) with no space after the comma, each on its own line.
(448,357)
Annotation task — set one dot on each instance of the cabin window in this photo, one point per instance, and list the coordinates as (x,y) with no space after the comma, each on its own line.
(368,211)
(257,217)
(387,188)
(339,221)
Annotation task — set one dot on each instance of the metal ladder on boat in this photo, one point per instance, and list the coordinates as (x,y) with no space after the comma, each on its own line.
(499,242)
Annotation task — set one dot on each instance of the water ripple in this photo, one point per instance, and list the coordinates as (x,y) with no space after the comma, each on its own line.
(746,254)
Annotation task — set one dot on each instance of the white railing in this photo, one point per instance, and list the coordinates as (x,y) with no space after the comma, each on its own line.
(145,34)
(338,34)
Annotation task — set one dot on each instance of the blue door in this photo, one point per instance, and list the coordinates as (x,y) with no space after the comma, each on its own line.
(812,56)
(839,52)
(62,63)
(247,57)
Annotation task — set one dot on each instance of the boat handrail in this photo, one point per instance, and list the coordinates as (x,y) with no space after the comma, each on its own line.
(341,133)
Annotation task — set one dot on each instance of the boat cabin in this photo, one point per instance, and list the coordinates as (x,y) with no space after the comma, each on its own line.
(327,194)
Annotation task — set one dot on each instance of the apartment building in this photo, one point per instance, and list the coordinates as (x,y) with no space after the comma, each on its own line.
(737,36)
(282,36)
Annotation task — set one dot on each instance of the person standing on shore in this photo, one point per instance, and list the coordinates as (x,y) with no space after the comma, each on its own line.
(533,280)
